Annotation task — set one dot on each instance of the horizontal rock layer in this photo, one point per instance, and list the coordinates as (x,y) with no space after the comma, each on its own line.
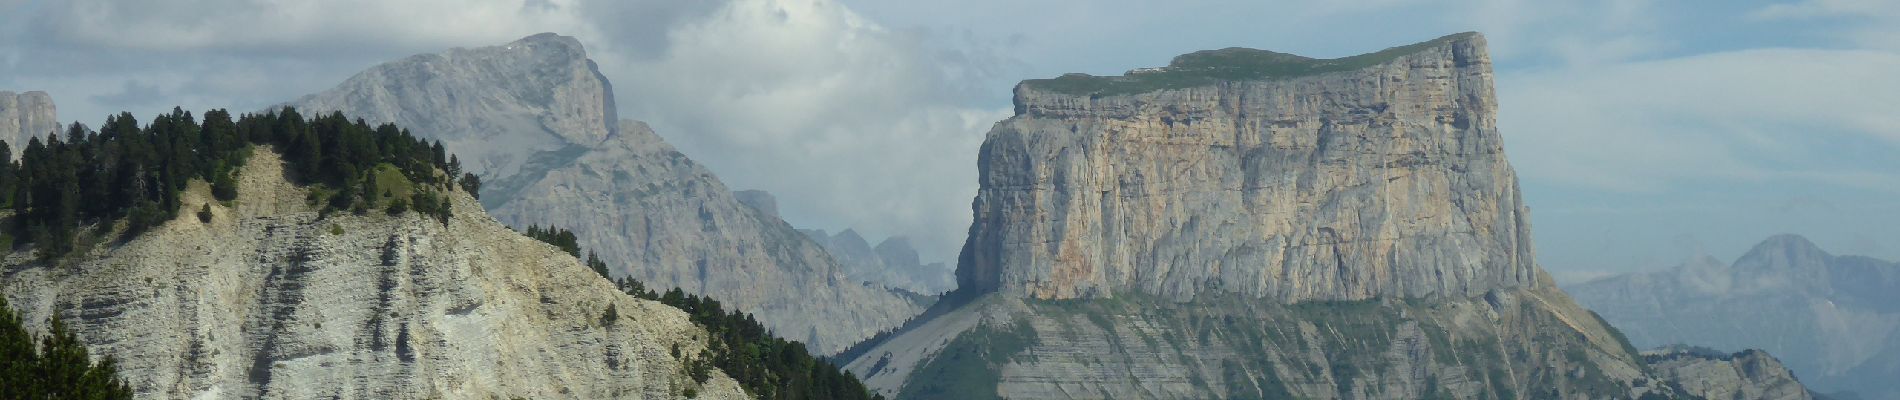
(269,301)
(1387,180)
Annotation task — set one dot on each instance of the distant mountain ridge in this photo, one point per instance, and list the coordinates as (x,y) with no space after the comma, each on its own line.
(26,115)
(1834,320)
(536,120)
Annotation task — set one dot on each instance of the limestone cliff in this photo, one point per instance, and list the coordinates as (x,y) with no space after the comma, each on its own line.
(267,300)
(1750,374)
(26,115)
(1834,319)
(537,121)
(1250,224)
(1368,176)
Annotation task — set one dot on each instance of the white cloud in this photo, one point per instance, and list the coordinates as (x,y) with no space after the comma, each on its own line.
(1753,115)
(850,123)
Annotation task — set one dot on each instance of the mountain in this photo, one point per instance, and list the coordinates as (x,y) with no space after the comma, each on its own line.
(26,115)
(1834,319)
(1750,374)
(1251,224)
(536,120)
(892,263)
(263,297)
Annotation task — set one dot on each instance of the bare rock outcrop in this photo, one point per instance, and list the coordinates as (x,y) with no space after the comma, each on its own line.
(536,120)
(26,115)
(1833,319)
(1750,374)
(1368,176)
(1250,224)
(267,300)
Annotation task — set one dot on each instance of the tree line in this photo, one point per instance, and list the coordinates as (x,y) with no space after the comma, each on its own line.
(768,367)
(56,367)
(125,171)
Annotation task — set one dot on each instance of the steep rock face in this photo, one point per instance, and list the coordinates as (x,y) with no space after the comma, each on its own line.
(1750,374)
(269,301)
(1386,180)
(1833,319)
(26,115)
(1248,224)
(537,122)
(892,263)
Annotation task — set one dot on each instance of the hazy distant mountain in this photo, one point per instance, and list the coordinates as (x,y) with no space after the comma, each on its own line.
(265,298)
(1251,224)
(1835,320)
(537,122)
(892,263)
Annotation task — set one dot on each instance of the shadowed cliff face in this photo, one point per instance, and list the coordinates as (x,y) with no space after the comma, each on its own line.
(536,121)
(1355,178)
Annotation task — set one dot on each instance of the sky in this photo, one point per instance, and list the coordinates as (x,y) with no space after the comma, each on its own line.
(1644,132)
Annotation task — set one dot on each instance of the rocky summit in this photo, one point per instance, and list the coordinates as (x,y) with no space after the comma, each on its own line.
(26,115)
(537,122)
(1257,173)
(1750,374)
(1834,319)
(263,298)
(1251,224)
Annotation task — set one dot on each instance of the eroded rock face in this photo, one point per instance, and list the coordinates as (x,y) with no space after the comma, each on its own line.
(269,301)
(26,115)
(1388,180)
(536,120)
(1249,224)
(1751,374)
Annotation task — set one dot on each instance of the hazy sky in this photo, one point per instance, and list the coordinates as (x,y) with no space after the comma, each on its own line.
(1644,132)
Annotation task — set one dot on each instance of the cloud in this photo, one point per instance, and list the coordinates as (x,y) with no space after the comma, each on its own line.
(850,123)
(133,94)
(1753,115)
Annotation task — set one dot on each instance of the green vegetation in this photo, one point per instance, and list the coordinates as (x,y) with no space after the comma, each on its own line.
(57,368)
(767,366)
(970,366)
(1209,67)
(136,173)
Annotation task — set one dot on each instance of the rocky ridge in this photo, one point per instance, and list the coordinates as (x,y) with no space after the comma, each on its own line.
(1833,319)
(537,122)
(1750,374)
(1250,224)
(267,300)
(26,115)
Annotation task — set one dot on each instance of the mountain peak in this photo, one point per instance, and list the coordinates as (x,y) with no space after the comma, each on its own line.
(1215,137)
(1211,67)
(551,40)
(1783,252)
